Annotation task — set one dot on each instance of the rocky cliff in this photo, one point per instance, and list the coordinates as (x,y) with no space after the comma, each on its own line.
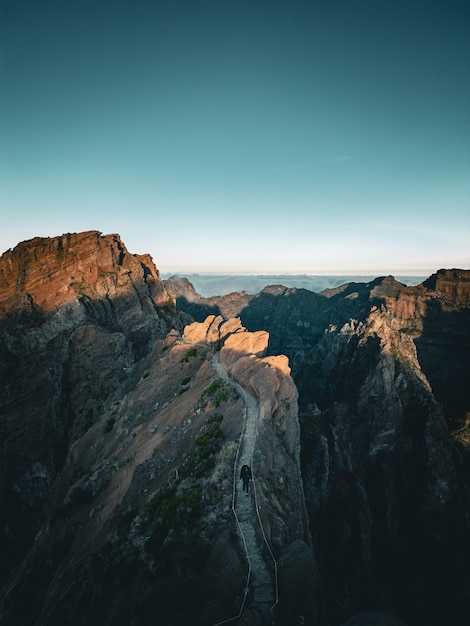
(124,422)
(382,372)
(77,314)
(121,436)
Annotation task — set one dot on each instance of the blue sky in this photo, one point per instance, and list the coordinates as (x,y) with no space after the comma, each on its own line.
(314,136)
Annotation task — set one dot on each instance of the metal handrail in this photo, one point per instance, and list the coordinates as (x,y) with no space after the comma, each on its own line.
(235,479)
(234,495)
(276,582)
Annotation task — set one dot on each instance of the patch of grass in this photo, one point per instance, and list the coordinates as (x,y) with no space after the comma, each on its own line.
(202,458)
(172,512)
(216,418)
(169,306)
(172,509)
(211,389)
(186,380)
(217,392)
(190,354)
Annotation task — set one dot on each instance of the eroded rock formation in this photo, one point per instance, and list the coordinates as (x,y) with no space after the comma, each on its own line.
(118,446)
(77,314)
(382,372)
(118,441)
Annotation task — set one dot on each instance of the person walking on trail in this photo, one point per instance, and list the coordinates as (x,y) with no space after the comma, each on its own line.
(245,475)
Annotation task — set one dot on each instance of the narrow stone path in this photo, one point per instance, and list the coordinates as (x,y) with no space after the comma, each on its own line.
(262,582)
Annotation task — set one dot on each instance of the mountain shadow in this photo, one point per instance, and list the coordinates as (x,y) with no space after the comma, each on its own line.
(198,310)
(443,349)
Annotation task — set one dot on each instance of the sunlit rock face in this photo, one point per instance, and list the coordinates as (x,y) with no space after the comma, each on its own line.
(268,379)
(215,330)
(55,270)
(453,284)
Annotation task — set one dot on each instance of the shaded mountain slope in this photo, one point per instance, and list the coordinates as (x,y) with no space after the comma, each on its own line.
(77,314)
(434,314)
(382,372)
(119,434)
(119,449)
(139,524)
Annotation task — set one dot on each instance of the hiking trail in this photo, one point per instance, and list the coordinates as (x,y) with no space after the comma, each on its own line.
(262,577)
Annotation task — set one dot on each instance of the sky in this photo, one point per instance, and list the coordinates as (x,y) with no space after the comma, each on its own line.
(248,136)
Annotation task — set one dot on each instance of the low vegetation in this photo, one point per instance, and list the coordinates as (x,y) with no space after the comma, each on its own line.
(169,306)
(217,392)
(190,354)
(173,518)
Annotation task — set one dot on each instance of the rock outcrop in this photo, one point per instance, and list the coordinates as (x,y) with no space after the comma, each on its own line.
(119,438)
(52,271)
(453,284)
(268,378)
(140,516)
(382,371)
(276,460)
(118,443)
(77,314)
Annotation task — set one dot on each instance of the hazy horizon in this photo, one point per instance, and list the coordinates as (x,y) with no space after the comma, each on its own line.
(409,273)
(214,284)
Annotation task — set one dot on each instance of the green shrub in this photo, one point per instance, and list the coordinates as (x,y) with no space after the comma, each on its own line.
(125,522)
(186,380)
(206,445)
(190,354)
(218,392)
(216,418)
(170,508)
(213,387)
(108,427)
(169,306)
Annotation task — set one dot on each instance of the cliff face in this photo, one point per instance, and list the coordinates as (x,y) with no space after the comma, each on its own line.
(139,523)
(52,271)
(383,488)
(382,372)
(77,313)
(123,421)
(272,443)
(454,285)
(119,441)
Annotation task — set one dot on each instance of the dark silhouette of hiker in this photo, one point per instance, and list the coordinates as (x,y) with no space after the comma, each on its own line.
(245,475)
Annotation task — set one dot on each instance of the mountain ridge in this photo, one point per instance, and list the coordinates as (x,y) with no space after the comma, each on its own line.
(382,371)
(118,439)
